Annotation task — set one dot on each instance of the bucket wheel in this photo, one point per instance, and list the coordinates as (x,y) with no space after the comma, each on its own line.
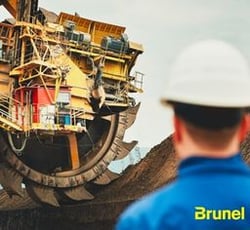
(46,167)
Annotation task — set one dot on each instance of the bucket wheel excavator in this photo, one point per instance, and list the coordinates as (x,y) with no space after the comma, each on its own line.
(65,102)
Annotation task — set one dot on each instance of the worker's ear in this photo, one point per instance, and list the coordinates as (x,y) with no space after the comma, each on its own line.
(244,127)
(177,127)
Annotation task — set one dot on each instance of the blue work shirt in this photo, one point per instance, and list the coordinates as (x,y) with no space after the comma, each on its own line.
(210,193)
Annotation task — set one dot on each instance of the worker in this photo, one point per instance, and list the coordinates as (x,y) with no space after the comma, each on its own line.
(208,89)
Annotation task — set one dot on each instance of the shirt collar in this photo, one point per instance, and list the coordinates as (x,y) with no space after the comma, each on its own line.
(198,164)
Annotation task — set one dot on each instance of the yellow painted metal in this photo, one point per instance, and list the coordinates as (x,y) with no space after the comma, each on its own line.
(136,46)
(29,65)
(16,72)
(5,81)
(55,63)
(98,30)
(9,125)
(76,79)
(74,155)
(33,26)
(134,88)
(83,24)
(115,67)
(116,104)
(83,103)
(107,57)
(57,128)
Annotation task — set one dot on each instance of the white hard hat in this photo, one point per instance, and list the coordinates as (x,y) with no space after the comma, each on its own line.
(210,73)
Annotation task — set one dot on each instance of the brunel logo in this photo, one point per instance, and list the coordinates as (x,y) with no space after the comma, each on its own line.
(201,213)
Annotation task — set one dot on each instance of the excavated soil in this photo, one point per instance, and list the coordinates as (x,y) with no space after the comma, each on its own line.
(156,169)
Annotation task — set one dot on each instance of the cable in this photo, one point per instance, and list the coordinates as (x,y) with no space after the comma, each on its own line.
(13,147)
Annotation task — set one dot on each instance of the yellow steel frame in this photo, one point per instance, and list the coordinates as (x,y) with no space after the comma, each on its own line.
(42,67)
(98,30)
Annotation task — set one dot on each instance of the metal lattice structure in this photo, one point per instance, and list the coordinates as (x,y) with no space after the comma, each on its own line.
(65,102)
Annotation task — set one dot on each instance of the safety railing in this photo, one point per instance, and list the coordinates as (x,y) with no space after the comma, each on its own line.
(6,106)
(55,114)
(137,80)
(6,31)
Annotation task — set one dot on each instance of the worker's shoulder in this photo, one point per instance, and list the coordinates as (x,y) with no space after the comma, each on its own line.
(162,204)
(155,202)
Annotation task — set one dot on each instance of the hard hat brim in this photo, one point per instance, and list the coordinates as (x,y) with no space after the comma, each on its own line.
(235,96)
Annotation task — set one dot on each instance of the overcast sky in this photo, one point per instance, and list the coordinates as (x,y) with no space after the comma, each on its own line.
(164,27)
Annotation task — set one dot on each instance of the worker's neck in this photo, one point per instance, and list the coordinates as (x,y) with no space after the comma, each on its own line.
(190,149)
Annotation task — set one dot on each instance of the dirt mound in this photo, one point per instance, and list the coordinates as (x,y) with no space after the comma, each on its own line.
(156,169)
